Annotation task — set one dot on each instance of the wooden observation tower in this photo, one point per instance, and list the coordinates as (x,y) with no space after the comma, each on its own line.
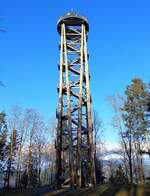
(75,162)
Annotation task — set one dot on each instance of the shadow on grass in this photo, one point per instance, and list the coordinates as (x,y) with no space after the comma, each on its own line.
(126,190)
(112,191)
(141,190)
(99,190)
(26,192)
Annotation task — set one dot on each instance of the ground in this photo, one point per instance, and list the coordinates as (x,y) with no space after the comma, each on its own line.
(99,190)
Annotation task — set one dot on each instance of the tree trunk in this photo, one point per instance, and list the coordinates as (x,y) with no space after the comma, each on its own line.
(139,164)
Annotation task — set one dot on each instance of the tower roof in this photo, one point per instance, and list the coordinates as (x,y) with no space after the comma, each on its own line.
(72,19)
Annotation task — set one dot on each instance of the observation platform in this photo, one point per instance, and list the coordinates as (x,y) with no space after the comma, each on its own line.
(72,19)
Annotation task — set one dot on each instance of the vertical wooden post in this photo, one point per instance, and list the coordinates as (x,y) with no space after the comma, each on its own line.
(80,115)
(59,127)
(71,159)
(89,117)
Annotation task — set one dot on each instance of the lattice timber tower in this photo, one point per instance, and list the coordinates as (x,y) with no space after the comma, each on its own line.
(75,163)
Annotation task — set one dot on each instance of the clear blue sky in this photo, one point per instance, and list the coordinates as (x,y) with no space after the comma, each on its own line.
(119,46)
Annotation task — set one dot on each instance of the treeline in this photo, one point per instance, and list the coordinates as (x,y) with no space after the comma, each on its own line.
(131,120)
(27,142)
(27,153)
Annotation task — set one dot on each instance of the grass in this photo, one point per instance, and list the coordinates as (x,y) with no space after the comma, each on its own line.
(99,190)
(135,190)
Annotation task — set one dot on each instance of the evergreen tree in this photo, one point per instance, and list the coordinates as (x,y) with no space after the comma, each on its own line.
(148,121)
(30,175)
(3,136)
(120,176)
(33,175)
(99,171)
(136,125)
(2,119)
(11,151)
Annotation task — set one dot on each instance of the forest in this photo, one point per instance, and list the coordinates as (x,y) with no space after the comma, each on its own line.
(28,151)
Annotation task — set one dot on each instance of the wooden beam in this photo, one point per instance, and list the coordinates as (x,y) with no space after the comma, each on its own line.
(89,117)
(60,111)
(71,158)
(80,115)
